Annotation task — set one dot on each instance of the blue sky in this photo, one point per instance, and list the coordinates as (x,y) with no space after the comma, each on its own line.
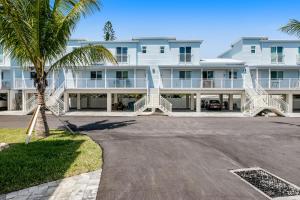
(217,22)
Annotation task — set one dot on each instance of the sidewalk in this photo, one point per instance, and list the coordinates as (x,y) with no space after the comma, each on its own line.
(81,187)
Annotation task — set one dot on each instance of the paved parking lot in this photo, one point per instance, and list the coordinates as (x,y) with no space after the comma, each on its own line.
(168,158)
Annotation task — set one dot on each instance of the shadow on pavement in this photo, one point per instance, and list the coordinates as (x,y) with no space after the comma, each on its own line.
(99,125)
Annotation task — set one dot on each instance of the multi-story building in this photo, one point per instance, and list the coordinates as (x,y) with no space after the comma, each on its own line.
(169,75)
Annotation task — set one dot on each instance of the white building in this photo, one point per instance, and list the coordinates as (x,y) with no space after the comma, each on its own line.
(166,74)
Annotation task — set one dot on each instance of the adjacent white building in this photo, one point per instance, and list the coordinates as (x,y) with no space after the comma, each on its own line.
(162,73)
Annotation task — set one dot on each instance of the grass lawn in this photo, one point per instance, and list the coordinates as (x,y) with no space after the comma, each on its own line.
(43,160)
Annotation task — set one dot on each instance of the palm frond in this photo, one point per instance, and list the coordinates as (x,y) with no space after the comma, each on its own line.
(83,57)
(292,28)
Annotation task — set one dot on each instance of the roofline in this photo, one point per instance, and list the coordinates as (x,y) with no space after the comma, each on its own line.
(270,41)
(154,38)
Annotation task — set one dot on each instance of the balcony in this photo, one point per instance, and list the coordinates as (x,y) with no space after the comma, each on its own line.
(277,59)
(185,58)
(108,83)
(199,83)
(298,59)
(28,83)
(286,83)
(5,85)
(123,59)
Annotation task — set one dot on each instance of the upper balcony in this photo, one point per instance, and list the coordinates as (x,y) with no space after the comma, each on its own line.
(285,83)
(201,83)
(277,59)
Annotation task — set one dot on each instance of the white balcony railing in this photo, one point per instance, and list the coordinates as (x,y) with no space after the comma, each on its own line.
(87,83)
(202,83)
(123,59)
(277,58)
(5,85)
(185,58)
(28,83)
(285,83)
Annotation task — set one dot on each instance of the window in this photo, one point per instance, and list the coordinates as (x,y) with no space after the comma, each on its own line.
(185,74)
(277,54)
(253,49)
(1,56)
(276,75)
(162,49)
(32,75)
(144,49)
(185,54)
(122,54)
(122,74)
(234,75)
(208,74)
(96,75)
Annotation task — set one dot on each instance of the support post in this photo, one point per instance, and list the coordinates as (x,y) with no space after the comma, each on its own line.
(269,78)
(198,102)
(192,102)
(243,100)
(230,102)
(66,101)
(78,101)
(108,99)
(290,102)
(24,95)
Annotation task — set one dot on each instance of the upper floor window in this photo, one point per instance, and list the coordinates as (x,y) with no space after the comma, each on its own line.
(234,75)
(122,54)
(185,54)
(253,49)
(32,75)
(96,75)
(1,55)
(185,74)
(162,49)
(144,49)
(122,74)
(276,75)
(208,74)
(277,54)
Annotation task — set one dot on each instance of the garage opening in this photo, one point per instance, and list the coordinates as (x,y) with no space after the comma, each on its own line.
(125,102)
(296,103)
(88,102)
(3,102)
(221,102)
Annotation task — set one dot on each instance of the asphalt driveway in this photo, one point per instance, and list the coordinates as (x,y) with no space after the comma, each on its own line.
(167,158)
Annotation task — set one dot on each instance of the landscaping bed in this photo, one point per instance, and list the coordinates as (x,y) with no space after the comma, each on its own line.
(268,184)
(58,156)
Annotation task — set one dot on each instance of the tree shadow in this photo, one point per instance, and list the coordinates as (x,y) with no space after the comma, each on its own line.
(99,125)
(286,123)
(23,166)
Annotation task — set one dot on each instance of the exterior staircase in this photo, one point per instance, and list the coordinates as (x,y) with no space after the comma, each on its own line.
(259,100)
(153,100)
(52,99)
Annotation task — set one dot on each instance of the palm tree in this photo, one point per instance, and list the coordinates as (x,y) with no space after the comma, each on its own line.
(36,32)
(292,27)
(109,33)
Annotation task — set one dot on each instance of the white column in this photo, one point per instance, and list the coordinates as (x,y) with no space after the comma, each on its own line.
(24,95)
(290,102)
(172,77)
(243,100)
(78,101)
(108,102)
(13,78)
(66,101)
(231,77)
(256,74)
(192,101)
(230,102)
(269,77)
(134,75)
(105,75)
(198,102)
(0,78)
(53,79)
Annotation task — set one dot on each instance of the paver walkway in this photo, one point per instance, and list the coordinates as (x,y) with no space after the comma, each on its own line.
(81,187)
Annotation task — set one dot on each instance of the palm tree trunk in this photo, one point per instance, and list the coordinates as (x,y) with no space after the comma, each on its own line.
(41,128)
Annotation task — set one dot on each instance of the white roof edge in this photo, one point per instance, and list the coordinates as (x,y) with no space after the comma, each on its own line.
(222,61)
